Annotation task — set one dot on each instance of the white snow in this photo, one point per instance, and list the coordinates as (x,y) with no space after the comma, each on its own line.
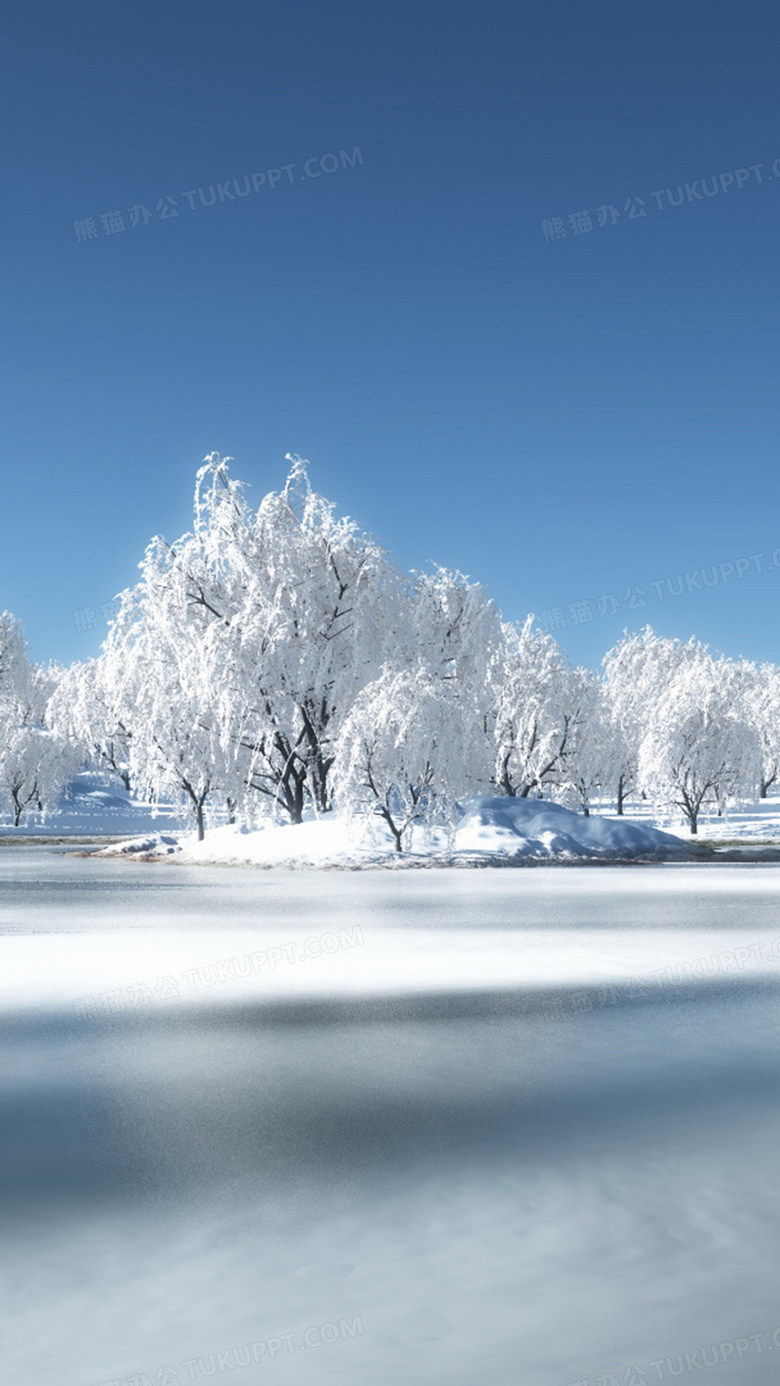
(489,829)
(748,822)
(94,804)
(536,828)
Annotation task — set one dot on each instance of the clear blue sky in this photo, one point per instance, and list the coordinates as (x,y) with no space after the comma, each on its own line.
(563,419)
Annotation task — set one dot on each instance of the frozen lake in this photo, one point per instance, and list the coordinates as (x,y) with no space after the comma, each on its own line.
(512,1126)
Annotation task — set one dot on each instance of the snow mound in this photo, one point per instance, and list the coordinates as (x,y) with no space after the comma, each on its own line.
(154,845)
(538,829)
(316,842)
(312,843)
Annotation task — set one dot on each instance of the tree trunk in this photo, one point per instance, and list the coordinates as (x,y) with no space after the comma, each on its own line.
(621,794)
(197,801)
(396,832)
(293,795)
(318,763)
(504,783)
(319,782)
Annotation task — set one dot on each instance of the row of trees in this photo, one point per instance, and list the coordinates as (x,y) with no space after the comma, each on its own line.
(273,659)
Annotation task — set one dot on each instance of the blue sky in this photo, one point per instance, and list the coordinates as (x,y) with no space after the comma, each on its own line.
(564,419)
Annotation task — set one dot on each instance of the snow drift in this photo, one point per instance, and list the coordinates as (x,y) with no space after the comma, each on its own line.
(535,828)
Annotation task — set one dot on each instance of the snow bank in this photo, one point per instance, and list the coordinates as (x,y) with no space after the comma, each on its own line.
(153,845)
(314,843)
(537,829)
(489,829)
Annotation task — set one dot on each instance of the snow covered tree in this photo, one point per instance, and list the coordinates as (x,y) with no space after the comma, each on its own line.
(594,748)
(636,671)
(452,629)
(35,761)
(14,662)
(324,612)
(535,709)
(758,689)
(455,627)
(402,752)
(303,607)
(82,709)
(33,769)
(161,674)
(697,747)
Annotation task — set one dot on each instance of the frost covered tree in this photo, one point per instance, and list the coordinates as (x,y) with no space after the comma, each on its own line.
(303,608)
(534,696)
(323,615)
(35,760)
(455,627)
(452,629)
(161,676)
(758,689)
(697,747)
(82,709)
(594,752)
(636,671)
(403,751)
(34,766)
(14,662)
(31,758)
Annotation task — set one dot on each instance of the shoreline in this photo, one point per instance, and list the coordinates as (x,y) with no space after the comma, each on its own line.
(705,852)
(751,855)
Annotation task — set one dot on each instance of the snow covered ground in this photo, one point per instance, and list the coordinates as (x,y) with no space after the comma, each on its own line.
(742,823)
(92,805)
(490,830)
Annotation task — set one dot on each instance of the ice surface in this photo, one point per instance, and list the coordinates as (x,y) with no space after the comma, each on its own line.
(419,932)
(454,1130)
